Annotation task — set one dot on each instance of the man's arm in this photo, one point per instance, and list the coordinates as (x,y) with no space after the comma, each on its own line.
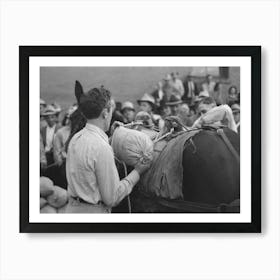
(112,190)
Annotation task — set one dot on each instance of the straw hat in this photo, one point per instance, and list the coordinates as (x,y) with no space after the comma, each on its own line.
(49,110)
(127,105)
(203,94)
(146,98)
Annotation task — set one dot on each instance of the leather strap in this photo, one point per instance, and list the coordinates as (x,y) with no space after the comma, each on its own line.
(228,144)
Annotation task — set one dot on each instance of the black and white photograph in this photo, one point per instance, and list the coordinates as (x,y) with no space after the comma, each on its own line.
(142,136)
(139,139)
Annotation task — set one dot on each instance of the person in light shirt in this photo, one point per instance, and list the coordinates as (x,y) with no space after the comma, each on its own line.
(48,132)
(94,185)
(213,115)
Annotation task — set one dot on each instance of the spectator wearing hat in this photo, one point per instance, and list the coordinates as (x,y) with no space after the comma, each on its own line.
(191,90)
(236,114)
(177,83)
(59,148)
(148,126)
(147,104)
(174,103)
(43,105)
(57,108)
(48,132)
(128,111)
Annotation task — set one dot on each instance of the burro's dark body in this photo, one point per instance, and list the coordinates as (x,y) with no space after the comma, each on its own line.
(211,178)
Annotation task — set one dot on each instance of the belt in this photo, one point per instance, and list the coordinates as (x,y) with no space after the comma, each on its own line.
(83,201)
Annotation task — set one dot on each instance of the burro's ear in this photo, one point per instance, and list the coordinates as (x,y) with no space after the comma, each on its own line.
(78,91)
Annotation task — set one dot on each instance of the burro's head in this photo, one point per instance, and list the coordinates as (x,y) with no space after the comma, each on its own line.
(95,104)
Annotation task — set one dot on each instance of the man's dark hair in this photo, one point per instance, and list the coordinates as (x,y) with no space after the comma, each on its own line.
(207,100)
(93,102)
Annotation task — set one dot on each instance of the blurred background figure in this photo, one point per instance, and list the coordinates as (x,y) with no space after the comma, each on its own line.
(62,136)
(209,85)
(48,132)
(164,110)
(148,126)
(57,109)
(158,93)
(174,103)
(43,160)
(59,148)
(116,115)
(184,114)
(205,105)
(191,90)
(147,104)
(128,111)
(42,109)
(236,114)
(177,83)
(169,89)
(233,95)
(217,94)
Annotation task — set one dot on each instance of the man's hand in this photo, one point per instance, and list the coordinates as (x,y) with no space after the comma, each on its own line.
(115,125)
(143,165)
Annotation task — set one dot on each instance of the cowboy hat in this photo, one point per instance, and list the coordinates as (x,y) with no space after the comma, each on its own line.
(49,110)
(146,98)
(174,100)
(203,94)
(127,105)
(56,107)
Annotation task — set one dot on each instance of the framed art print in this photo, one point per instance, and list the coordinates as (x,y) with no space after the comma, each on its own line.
(140,138)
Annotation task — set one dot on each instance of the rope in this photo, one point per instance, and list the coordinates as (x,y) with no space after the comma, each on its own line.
(128,197)
(125,174)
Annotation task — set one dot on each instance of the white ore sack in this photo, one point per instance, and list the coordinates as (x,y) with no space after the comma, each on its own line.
(59,198)
(131,146)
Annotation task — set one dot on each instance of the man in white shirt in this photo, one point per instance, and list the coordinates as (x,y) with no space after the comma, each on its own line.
(209,85)
(178,84)
(94,185)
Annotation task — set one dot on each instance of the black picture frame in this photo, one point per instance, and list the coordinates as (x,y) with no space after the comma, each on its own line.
(25,52)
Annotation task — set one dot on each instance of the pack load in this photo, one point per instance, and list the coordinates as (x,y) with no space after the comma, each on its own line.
(48,209)
(43,202)
(46,187)
(59,197)
(131,146)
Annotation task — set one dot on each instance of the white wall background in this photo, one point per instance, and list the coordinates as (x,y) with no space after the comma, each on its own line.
(139,256)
